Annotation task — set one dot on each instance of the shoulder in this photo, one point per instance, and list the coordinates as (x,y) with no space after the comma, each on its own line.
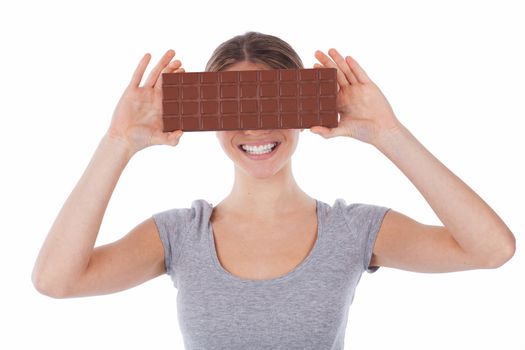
(358,211)
(356,218)
(177,221)
(198,208)
(175,226)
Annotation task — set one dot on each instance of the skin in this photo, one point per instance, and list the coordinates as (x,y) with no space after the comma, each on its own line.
(262,189)
(472,236)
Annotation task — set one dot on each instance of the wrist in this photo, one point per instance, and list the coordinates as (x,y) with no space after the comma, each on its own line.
(118,145)
(388,139)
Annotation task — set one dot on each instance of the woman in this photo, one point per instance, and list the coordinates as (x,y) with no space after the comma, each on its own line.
(269,266)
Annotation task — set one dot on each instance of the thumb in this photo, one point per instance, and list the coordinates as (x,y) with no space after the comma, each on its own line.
(362,130)
(327,133)
(167,138)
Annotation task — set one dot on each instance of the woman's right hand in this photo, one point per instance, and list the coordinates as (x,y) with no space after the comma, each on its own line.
(137,119)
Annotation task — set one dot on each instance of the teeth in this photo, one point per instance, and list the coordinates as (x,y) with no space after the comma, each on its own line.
(259,149)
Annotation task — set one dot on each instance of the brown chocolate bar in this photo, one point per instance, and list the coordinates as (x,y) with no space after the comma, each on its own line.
(256,99)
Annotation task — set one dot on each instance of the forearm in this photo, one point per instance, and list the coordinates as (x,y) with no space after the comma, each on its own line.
(476,227)
(67,249)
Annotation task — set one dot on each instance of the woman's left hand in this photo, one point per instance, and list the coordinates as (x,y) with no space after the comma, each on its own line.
(363,109)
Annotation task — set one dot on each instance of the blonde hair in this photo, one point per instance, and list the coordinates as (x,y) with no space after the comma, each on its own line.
(257,48)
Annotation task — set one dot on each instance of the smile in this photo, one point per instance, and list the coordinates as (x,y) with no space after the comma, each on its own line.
(262,151)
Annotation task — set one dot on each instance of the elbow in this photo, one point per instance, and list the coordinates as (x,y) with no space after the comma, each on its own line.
(504,253)
(48,288)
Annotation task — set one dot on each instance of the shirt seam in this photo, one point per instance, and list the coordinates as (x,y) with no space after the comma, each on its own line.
(374,228)
(366,240)
(185,234)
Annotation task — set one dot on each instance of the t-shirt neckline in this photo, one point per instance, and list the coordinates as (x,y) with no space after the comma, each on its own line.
(301,266)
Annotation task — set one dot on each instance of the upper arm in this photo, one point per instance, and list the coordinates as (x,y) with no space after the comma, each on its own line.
(406,244)
(130,261)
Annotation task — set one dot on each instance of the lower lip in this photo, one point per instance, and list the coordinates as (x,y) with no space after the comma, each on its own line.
(261,156)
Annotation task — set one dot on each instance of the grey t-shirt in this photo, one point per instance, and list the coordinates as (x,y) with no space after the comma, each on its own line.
(306,308)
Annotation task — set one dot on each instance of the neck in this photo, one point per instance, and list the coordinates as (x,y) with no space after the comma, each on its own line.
(269,197)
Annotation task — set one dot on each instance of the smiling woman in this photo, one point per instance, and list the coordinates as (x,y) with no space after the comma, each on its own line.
(269,266)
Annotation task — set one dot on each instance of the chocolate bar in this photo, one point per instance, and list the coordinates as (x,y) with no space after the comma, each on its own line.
(249,100)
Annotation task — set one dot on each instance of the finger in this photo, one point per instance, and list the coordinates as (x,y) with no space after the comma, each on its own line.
(139,71)
(358,71)
(328,63)
(155,72)
(327,133)
(343,65)
(172,67)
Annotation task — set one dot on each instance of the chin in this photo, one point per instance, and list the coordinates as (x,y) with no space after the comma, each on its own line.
(268,168)
(259,173)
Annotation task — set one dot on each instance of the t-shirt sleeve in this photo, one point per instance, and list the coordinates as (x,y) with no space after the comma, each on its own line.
(366,219)
(172,225)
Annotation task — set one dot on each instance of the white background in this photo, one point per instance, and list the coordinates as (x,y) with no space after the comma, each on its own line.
(452,70)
